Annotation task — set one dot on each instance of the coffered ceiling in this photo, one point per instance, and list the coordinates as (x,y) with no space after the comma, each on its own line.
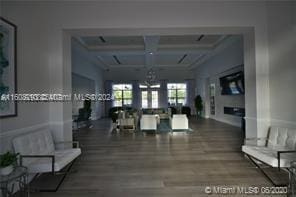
(182,51)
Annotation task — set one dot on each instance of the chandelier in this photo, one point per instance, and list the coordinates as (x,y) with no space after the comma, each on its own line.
(150,77)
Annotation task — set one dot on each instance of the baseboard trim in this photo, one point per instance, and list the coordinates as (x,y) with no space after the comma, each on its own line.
(227,122)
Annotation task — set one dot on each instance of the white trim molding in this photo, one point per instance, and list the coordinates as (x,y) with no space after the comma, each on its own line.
(16,132)
(283,123)
(55,127)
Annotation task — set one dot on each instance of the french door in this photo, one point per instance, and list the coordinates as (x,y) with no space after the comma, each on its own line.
(149,98)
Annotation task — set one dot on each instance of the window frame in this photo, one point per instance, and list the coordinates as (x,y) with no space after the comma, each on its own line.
(149,90)
(122,98)
(176,90)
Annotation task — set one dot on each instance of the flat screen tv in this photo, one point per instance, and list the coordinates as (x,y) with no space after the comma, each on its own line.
(233,84)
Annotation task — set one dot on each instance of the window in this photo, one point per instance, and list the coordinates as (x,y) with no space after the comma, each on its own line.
(122,95)
(176,93)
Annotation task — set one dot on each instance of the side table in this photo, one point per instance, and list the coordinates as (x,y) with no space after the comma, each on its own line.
(17,179)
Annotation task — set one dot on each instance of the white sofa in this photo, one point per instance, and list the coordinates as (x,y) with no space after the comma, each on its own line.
(179,122)
(279,140)
(148,122)
(40,154)
(279,149)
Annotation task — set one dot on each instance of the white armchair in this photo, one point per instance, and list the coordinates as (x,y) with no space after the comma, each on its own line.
(179,122)
(148,122)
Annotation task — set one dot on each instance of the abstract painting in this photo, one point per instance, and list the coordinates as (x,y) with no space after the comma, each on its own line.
(8,107)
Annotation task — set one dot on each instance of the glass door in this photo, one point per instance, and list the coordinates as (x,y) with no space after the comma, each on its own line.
(149,98)
(144,98)
(154,99)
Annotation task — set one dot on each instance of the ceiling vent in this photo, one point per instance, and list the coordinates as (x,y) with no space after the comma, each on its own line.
(182,58)
(200,37)
(102,39)
(116,59)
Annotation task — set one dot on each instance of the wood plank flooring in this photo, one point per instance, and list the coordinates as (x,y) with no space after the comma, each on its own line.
(165,165)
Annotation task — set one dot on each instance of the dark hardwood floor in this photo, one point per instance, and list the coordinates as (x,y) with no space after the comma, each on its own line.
(168,165)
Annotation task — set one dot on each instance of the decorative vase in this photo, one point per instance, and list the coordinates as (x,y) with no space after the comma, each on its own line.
(6,170)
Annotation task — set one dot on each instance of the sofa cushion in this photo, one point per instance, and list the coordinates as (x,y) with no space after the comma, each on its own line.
(269,155)
(41,143)
(34,143)
(282,137)
(62,158)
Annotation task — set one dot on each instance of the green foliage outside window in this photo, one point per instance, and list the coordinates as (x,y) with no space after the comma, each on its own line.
(122,94)
(176,93)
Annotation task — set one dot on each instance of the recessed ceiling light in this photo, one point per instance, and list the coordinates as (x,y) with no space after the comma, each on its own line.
(151,53)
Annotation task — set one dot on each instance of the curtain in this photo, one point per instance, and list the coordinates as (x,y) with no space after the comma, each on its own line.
(136,103)
(108,90)
(190,93)
(163,94)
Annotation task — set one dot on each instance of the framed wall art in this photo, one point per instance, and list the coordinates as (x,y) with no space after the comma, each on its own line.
(8,107)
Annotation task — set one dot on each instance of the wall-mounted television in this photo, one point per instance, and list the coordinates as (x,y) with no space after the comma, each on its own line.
(233,84)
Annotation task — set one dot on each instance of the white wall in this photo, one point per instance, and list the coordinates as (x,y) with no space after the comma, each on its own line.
(225,61)
(282,58)
(84,65)
(44,47)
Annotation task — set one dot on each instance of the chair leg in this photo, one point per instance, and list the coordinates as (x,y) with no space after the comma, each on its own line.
(264,173)
(64,174)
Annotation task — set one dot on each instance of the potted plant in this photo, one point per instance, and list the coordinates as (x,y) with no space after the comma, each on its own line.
(7,162)
(198,105)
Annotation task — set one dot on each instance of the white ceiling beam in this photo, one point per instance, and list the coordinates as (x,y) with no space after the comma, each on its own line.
(117,52)
(151,45)
(182,51)
(220,40)
(158,52)
(80,40)
(102,62)
(115,47)
(184,46)
(142,66)
(160,47)
(126,66)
